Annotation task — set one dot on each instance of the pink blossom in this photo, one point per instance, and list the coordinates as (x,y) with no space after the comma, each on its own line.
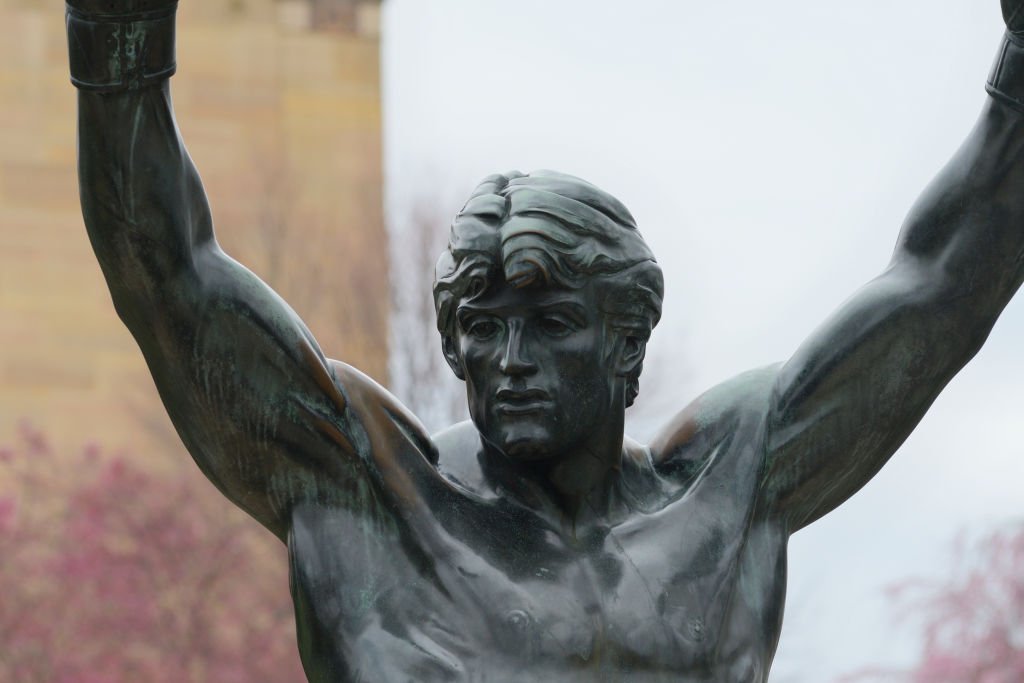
(972,623)
(134,576)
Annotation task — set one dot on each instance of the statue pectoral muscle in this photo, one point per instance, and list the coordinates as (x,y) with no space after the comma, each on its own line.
(534,542)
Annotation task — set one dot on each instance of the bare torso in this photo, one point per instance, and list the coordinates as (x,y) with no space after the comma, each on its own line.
(454,580)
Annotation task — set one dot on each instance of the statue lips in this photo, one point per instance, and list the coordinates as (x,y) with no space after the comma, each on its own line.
(522,401)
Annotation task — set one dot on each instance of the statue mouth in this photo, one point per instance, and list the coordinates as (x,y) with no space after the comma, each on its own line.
(522,402)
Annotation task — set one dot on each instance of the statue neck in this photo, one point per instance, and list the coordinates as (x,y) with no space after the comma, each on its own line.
(572,489)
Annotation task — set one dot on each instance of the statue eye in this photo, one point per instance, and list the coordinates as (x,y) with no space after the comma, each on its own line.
(482,328)
(554,327)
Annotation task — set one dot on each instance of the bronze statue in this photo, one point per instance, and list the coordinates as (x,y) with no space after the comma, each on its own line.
(536,542)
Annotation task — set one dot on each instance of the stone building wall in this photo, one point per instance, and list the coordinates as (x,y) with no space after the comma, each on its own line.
(281,113)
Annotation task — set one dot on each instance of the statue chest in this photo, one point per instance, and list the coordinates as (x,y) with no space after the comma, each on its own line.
(479,589)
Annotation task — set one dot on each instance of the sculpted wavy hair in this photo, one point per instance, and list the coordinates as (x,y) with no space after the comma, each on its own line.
(548,229)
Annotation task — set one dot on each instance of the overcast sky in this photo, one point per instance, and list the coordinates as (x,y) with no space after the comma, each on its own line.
(769,152)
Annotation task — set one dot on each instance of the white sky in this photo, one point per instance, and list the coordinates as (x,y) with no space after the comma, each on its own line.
(769,152)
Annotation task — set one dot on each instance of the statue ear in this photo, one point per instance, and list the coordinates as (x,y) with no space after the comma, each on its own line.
(631,354)
(452,356)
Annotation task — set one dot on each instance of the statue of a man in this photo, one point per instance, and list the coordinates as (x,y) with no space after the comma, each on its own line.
(535,542)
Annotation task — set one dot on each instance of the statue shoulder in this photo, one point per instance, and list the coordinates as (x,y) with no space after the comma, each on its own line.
(379,413)
(459,451)
(733,412)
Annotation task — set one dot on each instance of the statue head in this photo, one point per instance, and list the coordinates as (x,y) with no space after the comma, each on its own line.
(546,279)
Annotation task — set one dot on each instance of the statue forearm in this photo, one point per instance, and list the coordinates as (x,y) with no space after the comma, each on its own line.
(970,221)
(965,235)
(964,238)
(142,200)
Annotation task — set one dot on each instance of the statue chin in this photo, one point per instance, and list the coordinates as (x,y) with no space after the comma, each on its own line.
(522,442)
(529,451)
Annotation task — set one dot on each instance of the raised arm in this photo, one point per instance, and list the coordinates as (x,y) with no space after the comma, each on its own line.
(857,387)
(247,387)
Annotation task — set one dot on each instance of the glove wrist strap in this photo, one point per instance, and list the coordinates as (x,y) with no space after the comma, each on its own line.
(1006,82)
(111,53)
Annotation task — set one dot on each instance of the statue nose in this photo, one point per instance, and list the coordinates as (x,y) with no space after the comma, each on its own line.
(515,360)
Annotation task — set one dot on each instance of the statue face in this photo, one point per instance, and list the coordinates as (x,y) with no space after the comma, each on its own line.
(540,375)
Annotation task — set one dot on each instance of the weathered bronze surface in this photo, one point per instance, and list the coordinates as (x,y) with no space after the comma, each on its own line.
(536,542)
